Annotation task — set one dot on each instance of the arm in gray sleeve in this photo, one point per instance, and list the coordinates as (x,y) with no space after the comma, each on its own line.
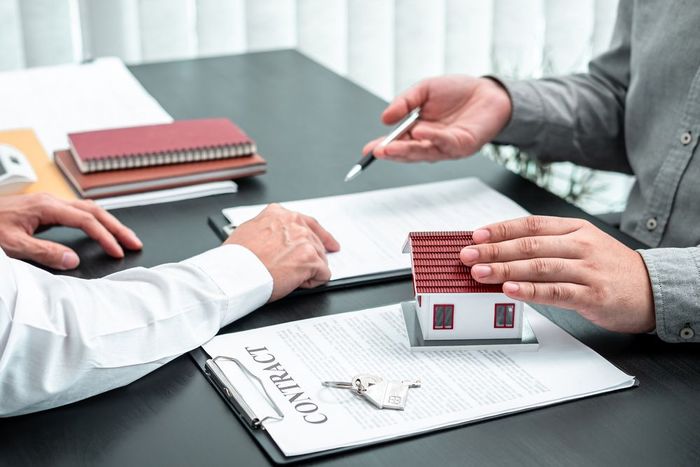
(577,118)
(675,281)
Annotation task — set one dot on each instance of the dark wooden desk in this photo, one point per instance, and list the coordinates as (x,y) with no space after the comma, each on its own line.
(310,124)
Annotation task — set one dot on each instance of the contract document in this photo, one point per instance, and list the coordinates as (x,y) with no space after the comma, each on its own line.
(372,226)
(293,359)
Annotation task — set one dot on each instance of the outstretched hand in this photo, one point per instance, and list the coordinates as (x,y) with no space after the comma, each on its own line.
(568,263)
(459,114)
(22,215)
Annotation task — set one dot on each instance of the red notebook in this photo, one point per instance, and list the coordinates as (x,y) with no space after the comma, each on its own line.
(171,143)
(124,182)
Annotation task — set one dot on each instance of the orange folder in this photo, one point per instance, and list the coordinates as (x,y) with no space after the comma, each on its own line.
(49,178)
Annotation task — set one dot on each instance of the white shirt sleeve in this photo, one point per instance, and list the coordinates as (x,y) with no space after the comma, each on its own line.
(64,339)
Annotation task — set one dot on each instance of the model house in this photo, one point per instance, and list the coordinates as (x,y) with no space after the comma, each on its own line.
(449,303)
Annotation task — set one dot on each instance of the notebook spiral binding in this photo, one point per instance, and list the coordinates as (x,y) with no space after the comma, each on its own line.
(224,385)
(120,162)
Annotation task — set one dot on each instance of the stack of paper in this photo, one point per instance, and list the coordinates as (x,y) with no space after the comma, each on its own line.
(58,100)
(170,195)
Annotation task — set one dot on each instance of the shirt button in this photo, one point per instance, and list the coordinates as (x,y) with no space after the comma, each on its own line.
(686,138)
(687,332)
(651,223)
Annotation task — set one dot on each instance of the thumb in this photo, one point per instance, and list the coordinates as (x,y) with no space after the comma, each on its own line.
(49,254)
(409,100)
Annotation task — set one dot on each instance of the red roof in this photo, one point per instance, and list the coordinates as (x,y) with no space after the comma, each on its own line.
(437,267)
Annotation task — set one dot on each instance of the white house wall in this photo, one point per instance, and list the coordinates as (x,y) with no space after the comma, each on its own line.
(473,317)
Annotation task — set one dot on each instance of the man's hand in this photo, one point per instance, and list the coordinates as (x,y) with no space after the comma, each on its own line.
(568,263)
(22,215)
(292,247)
(459,114)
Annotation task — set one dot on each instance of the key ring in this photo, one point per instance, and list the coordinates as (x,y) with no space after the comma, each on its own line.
(359,387)
(354,386)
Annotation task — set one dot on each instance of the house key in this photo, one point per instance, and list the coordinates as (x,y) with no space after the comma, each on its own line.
(383,394)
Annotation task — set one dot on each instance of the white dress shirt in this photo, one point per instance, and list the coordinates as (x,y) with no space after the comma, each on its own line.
(63,339)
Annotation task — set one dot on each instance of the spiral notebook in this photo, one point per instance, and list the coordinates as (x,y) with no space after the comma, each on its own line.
(151,145)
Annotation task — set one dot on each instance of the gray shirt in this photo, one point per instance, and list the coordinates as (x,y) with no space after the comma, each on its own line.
(637,110)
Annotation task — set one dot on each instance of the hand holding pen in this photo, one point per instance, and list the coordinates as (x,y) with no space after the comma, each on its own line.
(396,133)
(459,114)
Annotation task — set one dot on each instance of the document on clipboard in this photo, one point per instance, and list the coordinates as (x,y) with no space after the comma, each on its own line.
(272,377)
(372,226)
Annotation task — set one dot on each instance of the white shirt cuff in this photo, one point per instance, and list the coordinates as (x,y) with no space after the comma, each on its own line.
(240,275)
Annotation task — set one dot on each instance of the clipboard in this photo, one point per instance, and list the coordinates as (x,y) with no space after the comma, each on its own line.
(250,420)
(253,423)
(222,228)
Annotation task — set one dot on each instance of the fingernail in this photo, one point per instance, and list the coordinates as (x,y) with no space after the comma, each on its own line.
(70,260)
(481,270)
(137,241)
(470,254)
(511,287)
(481,235)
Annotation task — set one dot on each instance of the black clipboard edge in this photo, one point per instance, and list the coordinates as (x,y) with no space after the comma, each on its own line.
(368,279)
(217,224)
(267,444)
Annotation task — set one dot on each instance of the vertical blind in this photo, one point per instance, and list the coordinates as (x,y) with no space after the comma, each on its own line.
(383,45)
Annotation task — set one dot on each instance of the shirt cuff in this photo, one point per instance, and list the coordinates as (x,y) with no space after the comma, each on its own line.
(526,122)
(240,275)
(675,283)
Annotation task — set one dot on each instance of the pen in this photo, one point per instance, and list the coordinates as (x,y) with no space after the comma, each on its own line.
(397,132)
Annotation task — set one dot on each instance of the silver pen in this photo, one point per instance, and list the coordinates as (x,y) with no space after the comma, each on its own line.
(396,133)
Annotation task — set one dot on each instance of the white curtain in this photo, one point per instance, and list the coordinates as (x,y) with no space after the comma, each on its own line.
(383,45)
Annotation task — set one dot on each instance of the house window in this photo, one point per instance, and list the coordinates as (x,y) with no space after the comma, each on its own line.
(504,316)
(443,316)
